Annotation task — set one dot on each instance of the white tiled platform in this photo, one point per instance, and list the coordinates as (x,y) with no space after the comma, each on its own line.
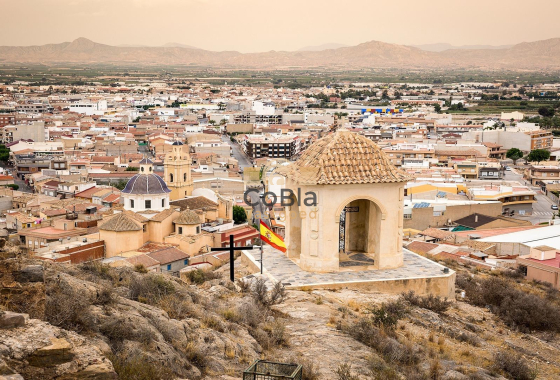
(418,273)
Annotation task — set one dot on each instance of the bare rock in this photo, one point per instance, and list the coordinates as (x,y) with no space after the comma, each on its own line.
(454,375)
(100,371)
(40,350)
(9,320)
(58,352)
(15,376)
(30,273)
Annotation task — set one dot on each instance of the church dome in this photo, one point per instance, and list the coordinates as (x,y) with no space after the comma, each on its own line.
(146,184)
(342,158)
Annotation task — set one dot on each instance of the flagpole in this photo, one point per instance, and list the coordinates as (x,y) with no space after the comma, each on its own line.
(262,243)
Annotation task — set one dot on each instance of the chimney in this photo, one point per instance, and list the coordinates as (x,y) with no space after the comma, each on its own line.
(476,218)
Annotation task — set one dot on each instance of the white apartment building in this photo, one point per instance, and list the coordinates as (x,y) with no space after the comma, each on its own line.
(89,108)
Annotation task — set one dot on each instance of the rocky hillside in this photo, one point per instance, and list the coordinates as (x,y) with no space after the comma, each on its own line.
(96,322)
(374,54)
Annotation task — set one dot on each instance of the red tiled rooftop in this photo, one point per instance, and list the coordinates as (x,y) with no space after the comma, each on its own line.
(555,263)
(494,231)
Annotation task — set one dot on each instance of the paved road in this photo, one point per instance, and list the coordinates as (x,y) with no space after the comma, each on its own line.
(237,153)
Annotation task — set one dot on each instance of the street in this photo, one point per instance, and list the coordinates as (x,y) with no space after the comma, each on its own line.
(238,154)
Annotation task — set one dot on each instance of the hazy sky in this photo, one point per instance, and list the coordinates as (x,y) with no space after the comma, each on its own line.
(262,25)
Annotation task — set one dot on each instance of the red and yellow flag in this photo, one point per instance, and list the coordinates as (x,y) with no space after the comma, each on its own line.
(271,238)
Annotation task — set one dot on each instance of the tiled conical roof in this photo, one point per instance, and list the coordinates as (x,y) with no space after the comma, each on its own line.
(121,222)
(187,217)
(342,158)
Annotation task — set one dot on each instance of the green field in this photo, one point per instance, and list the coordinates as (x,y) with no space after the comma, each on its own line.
(106,74)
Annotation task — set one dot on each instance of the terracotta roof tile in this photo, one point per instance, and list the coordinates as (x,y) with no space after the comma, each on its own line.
(437,233)
(121,222)
(188,217)
(343,157)
(195,203)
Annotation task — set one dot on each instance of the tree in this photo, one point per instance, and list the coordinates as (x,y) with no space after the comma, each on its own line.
(121,184)
(538,155)
(546,111)
(514,154)
(437,108)
(4,153)
(239,215)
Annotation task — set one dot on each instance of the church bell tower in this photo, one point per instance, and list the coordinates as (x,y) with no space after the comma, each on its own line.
(177,171)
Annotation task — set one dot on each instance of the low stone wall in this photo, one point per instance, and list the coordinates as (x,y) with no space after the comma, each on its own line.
(439,286)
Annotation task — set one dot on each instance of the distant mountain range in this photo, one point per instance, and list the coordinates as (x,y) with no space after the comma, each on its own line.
(537,55)
(322,47)
(439,47)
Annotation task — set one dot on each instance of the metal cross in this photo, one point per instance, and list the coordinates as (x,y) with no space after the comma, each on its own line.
(231,250)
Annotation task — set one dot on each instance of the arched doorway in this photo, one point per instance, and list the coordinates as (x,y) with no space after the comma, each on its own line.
(358,239)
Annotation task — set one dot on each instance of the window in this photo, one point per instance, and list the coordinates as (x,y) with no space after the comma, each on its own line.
(168,266)
(148,203)
(180,230)
(132,203)
(163,202)
(197,229)
(143,228)
(170,177)
(186,261)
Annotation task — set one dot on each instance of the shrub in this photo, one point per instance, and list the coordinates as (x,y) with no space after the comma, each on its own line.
(310,369)
(199,276)
(266,298)
(68,309)
(140,268)
(105,296)
(514,365)
(150,288)
(195,355)
(177,306)
(277,332)
(436,304)
(212,323)
(98,269)
(251,313)
(365,331)
(388,313)
(517,309)
(344,372)
(270,335)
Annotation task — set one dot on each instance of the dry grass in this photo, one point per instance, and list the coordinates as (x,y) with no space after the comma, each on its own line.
(353,305)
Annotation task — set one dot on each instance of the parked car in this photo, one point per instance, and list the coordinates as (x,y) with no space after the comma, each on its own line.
(554,207)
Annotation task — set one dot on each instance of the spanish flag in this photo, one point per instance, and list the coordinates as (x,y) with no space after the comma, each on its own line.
(271,238)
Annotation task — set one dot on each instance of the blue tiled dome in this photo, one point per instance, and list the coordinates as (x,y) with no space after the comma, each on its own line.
(146,184)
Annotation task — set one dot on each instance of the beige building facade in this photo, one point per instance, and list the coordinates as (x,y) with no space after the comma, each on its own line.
(357,220)
(177,171)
